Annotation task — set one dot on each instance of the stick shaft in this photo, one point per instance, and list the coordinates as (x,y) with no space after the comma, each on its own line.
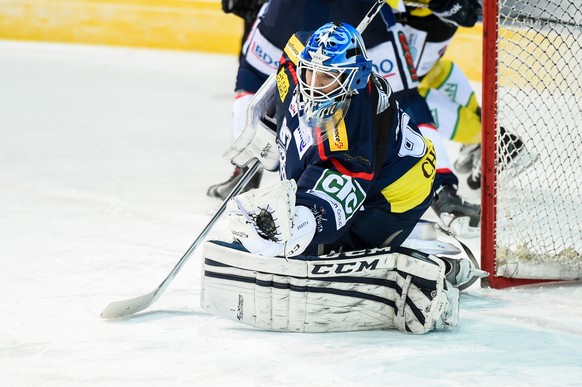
(134,305)
(370,15)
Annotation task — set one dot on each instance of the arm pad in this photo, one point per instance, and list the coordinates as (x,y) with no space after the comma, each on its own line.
(257,140)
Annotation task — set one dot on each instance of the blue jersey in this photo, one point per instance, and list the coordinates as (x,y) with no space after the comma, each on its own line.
(366,173)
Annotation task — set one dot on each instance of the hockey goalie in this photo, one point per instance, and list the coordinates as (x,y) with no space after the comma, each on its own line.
(338,244)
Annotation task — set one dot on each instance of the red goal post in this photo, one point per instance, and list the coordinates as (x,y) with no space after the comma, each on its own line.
(532,86)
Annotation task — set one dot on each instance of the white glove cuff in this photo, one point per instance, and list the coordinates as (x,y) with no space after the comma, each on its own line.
(304,226)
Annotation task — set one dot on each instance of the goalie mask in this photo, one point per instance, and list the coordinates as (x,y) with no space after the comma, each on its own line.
(331,68)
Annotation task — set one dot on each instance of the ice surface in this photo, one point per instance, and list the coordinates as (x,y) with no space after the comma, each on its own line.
(105,157)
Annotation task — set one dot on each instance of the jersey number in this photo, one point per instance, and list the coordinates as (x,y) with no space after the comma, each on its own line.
(413,143)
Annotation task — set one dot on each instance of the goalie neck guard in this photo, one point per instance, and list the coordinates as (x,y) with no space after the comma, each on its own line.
(331,68)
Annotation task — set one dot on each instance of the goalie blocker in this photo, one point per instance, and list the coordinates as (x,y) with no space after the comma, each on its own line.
(383,288)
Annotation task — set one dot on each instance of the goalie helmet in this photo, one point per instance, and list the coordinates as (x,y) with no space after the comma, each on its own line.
(331,68)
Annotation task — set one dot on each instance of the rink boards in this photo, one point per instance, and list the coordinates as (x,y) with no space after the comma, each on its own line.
(169,24)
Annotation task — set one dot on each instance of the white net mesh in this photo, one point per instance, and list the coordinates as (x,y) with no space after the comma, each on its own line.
(539,203)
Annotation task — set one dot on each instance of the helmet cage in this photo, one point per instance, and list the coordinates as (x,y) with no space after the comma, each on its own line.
(336,58)
(327,87)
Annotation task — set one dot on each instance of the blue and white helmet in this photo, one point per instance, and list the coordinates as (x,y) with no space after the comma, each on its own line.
(331,68)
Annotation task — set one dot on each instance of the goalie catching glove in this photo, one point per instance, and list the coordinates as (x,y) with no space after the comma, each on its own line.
(463,13)
(267,222)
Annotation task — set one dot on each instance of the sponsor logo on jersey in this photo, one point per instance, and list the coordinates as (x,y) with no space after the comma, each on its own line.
(293,48)
(413,39)
(452,11)
(407,56)
(337,134)
(343,193)
(387,63)
(303,138)
(358,159)
(384,68)
(263,56)
(282,84)
(451,90)
(293,105)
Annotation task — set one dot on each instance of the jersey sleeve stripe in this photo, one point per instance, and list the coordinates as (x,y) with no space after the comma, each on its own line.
(444,170)
(345,171)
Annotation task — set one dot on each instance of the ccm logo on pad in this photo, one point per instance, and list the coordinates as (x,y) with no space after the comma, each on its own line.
(344,268)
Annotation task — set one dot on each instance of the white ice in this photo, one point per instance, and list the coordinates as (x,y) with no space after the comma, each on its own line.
(105,157)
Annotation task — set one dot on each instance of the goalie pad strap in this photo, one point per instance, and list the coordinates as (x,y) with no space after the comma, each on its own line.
(324,294)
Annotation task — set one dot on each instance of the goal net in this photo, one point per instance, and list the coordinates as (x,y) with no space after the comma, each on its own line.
(532,88)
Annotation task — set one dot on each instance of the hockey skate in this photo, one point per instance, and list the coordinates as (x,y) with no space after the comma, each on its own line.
(462,271)
(474,179)
(464,163)
(513,158)
(461,266)
(457,215)
(222,190)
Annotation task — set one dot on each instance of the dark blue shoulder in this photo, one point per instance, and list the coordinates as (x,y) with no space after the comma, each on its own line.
(304,36)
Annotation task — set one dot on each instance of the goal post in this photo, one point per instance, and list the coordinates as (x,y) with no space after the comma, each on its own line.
(532,86)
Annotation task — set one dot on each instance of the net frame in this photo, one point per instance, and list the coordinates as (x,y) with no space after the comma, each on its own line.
(558,265)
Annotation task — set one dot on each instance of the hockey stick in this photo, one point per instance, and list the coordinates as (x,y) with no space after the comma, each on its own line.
(134,305)
(370,15)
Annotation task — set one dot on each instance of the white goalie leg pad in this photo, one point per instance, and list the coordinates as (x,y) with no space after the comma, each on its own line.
(418,312)
(272,293)
(257,140)
(361,290)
